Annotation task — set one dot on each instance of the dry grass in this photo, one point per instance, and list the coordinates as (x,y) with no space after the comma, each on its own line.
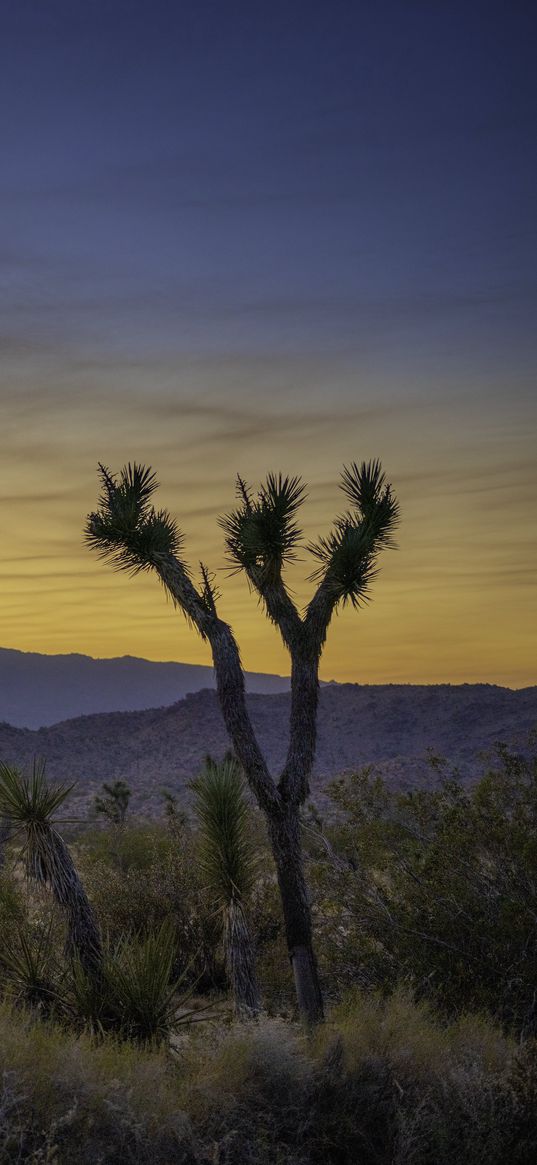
(76,1100)
(382,1083)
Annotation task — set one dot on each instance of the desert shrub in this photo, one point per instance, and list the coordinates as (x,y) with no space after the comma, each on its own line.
(273,964)
(64,1099)
(434,887)
(142,876)
(134,846)
(523,1083)
(382,1083)
(409,1090)
(244,1087)
(33,967)
(12,907)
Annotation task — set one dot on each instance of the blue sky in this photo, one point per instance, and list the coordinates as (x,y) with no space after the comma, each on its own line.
(251,236)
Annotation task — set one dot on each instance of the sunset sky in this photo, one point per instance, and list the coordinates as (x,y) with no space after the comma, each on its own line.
(253,236)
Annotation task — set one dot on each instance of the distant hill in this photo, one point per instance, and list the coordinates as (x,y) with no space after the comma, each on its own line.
(392,726)
(36,690)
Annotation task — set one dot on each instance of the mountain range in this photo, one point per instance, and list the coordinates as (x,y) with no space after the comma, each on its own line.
(391,726)
(37,690)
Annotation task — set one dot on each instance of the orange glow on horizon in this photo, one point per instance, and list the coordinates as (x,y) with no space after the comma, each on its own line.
(456,603)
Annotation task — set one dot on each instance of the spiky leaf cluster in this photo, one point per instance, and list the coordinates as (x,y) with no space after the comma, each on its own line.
(261,535)
(29,966)
(29,801)
(347,556)
(227,857)
(139,996)
(126,528)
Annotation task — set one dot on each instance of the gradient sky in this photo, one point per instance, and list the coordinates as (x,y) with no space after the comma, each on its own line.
(253,236)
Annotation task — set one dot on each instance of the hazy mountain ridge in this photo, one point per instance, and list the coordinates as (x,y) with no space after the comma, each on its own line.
(38,690)
(392,726)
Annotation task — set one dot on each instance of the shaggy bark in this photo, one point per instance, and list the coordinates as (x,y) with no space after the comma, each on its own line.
(284,831)
(281,804)
(49,862)
(240,961)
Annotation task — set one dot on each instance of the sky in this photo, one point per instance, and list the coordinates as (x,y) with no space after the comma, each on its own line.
(274,236)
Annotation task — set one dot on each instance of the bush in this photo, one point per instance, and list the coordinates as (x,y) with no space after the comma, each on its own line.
(66,1099)
(382,1083)
(141,877)
(436,888)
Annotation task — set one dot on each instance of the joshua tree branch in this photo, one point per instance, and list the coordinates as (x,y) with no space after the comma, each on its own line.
(319,613)
(279,604)
(229,677)
(294,781)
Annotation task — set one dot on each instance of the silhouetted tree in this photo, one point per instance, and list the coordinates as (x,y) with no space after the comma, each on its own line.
(115,802)
(261,536)
(176,818)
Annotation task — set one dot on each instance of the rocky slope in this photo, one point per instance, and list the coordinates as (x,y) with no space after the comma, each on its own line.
(392,726)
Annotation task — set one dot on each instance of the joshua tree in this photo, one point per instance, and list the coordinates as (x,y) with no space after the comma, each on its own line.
(261,536)
(229,863)
(115,802)
(176,818)
(28,803)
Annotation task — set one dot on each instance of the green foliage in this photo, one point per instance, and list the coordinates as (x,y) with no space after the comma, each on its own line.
(12,910)
(229,863)
(142,989)
(143,875)
(29,967)
(115,803)
(226,856)
(438,887)
(348,554)
(29,801)
(126,529)
(139,996)
(261,534)
(137,847)
(381,1082)
(66,1098)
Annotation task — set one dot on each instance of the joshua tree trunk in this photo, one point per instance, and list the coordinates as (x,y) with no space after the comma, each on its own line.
(240,961)
(53,864)
(280,803)
(284,830)
(283,815)
(29,803)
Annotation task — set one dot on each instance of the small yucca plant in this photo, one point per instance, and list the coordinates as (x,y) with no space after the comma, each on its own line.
(142,991)
(28,966)
(29,803)
(230,865)
(138,996)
